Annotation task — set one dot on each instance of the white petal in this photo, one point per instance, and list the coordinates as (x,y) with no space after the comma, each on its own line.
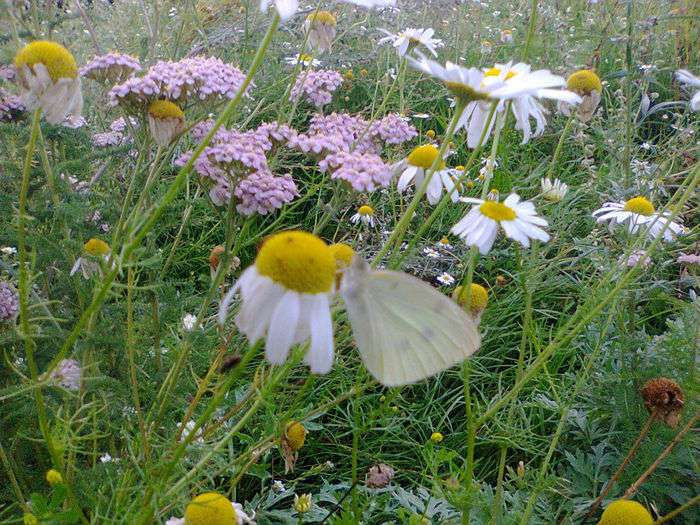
(283,325)
(320,354)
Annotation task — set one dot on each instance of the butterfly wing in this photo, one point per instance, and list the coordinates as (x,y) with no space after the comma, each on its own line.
(404,328)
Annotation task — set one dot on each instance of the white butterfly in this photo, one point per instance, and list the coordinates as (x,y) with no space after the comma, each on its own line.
(405,329)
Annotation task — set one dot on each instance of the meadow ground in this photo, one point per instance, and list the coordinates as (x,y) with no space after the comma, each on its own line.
(136,389)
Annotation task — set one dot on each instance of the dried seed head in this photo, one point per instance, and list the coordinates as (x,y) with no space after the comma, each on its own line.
(665,397)
(379,476)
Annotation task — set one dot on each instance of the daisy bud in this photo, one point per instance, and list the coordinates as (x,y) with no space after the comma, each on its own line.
(501,280)
(436,437)
(625,512)
(53,477)
(166,121)
(349,75)
(379,476)
(521,469)
(364,73)
(664,397)
(302,504)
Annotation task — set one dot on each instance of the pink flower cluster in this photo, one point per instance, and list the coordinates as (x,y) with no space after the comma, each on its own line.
(393,129)
(111,68)
(317,86)
(261,192)
(8,72)
(11,107)
(9,302)
(363,171)
(199,78)
(116,135)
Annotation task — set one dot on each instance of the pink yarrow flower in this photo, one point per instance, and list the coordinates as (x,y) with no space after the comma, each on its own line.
(111,68)
(261,192)
(363,171)
(316,86)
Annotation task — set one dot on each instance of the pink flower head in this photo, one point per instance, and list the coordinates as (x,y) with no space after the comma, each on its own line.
(688,258)
(67,374)
(8,72)
(275,133)
(393,129)
(9,302)
(11,107)
(109,138)
(363,171)
(111,68)
(261,192)
(316,86)
(334,133)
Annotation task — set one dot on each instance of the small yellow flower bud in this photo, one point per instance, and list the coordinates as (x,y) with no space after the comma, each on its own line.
(364,72)
(349,75)
(295,434)
(430,133)
(469,184)
(521,469)
(459,168)
(302,504)
(54,477)
(436,437)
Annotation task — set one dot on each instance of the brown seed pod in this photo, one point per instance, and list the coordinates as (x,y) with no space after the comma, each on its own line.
(664,397)
(379,476)
(229,362)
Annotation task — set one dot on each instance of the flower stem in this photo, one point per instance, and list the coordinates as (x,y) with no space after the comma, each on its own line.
(560,145)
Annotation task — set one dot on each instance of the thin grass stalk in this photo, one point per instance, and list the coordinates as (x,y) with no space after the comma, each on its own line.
(679,510)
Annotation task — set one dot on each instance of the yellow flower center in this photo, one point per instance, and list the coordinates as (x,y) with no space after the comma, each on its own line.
(639,205)
(210,508)
(478,300)
(444,241)
(163,109)
(497,211)
(305,58)
(625,512)
(298,261)
(584,81)
(343,254)
(495,71)
(53,477)
(295,434)
(322,17)
(459,168)
(58,60)
(464,92)
(436,437)
(366,210)
(430,133)
(423,156)
(96,247)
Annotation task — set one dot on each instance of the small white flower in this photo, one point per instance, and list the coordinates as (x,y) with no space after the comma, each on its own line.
(638,212)
(106,458)
(635,257)
(187,430)
(278,486)
(410,38)
(553,191)
(188,322)
(519,221)
(303,59)
(686,77)
(365,214)
(287,8)
(8,250)
(431,252)
(446,279)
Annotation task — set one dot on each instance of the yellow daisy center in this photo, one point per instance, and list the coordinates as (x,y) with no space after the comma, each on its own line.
(295,434)
(497,211)
(322,17)
(305,58)
(444,241)
(478,300)
(430,133)
(366,210)
(343,254)
(625,512)
(464,92)
(210,508)
(495,71)
(639,205)
(58,60)
(96,247)
(163,109)
(423,156)
(298,261)
(584,81)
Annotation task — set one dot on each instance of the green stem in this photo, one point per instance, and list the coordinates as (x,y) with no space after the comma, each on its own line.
(560,145)
(530,30)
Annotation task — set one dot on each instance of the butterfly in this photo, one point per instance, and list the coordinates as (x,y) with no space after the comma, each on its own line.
(405,329)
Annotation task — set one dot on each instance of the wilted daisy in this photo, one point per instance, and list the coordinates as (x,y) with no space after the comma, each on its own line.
(506,36)
(48,75)
(410,38)
(320,25)
(638,212)
(553,191)
(519,221)
(287,8)
(166,121)
(686,77)
(94,251)
(212,508)
(414,167)
(588,86)
(364,214)
(303,59)
(285,297)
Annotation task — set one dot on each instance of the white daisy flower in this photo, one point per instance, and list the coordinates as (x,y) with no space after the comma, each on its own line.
(446,279)
(287,8)
(431,252)
(410,38)
(212,507)
(519,221)
(285,297)
(686,77)
(414,167)
(48,76)
(365,214)
(303,59)
(553,191)
(320,25)
(638,212)
(188,322)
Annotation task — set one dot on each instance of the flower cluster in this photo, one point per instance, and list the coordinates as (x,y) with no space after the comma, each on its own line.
(8,72)
(67,374)
(116,135)
(9,302)
(11,107)
(200,78)
(316,86)
(261,192)
(111,68)
(393,129)
(363,171)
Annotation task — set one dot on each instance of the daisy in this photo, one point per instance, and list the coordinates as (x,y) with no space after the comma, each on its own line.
(303,59)
(686,77)
(588,86)
(212,508)
(506,36)
(320,25)
(553,191)
(431,252)
(414,168)
(285,297)
(410,38)
(166,121)
(287,8)
(48,76)
(96,252)
(446,279)
(519,221)
(365,214)
(637,212)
